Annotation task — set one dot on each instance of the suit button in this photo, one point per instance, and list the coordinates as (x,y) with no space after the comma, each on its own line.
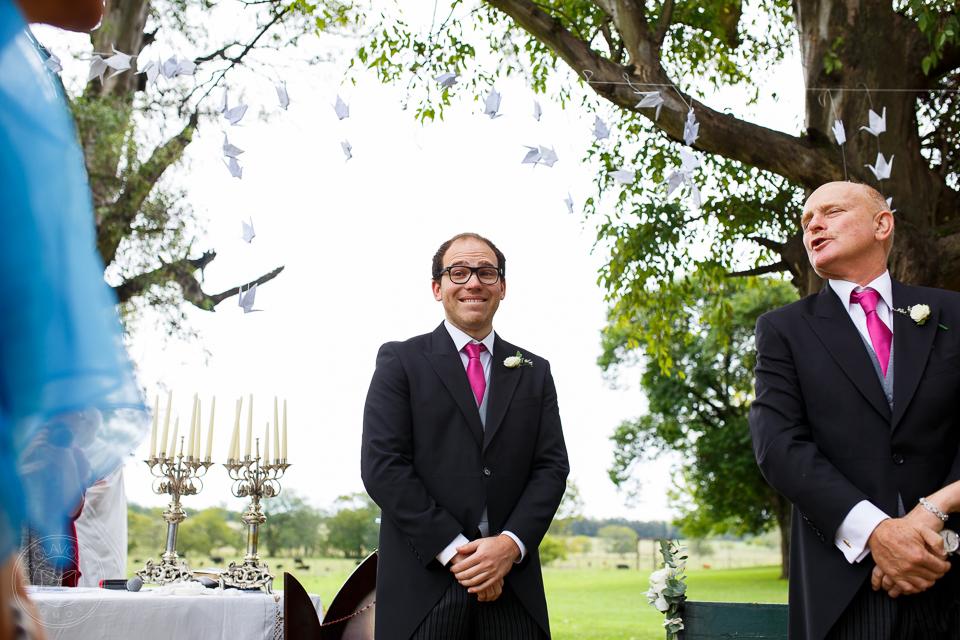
(486,471)
(898,458)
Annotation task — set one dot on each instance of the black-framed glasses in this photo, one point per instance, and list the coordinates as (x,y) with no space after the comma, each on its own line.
(460,274)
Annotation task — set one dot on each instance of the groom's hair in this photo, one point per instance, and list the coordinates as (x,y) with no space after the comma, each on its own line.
(438,256)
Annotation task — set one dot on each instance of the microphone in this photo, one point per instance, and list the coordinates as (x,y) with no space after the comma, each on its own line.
(133,584)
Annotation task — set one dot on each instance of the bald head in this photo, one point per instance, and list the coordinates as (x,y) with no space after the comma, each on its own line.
(847,231)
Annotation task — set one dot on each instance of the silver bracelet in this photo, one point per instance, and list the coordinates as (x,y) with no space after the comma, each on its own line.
(932,509)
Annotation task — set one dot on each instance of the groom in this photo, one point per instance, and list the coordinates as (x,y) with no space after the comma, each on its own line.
(855,421)
(464,454)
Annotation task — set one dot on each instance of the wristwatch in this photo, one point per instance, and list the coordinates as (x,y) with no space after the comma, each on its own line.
(951,541)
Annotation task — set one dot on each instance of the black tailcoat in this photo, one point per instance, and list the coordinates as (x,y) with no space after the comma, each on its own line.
(826,439)
(431,467)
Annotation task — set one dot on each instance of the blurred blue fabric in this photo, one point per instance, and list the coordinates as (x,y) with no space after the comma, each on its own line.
(61,343)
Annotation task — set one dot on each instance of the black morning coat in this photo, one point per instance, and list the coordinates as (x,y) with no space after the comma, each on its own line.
(826,438)
(430,466)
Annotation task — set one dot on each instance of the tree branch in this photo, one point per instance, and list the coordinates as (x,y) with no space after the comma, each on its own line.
(116,224)
(183,273)
(663,24)
(779,267)
(797,159)
(774,246)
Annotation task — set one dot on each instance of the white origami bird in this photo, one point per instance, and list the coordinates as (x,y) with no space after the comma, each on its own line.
(548,156)
(97,68)
(890,202)
(600,129)
(152,69)
(246,299)
(532,157)
(248,233)
(169,67)
(283,96)
(624,177)
(234,167)
(650,100)
(342,109)
(569,202)
(235,114)
(882,169)
(689,162)
(229,150)
(347,149)
(537,111)
(492,104)
(186,68)
(447,79)
(53,63)
(838,132)
(691,129)
(878,124)
(118,61)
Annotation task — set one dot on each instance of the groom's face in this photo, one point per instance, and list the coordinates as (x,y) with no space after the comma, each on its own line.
(471,306)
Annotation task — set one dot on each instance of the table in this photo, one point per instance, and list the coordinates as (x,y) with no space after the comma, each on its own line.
(102,614)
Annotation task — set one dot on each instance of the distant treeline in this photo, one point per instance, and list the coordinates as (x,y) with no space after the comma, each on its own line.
(656,529)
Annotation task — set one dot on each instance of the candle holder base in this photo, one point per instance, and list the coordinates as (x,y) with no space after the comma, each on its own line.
(249,575)
(165,572)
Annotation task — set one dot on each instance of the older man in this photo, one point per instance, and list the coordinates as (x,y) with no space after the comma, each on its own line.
(464,454)
(855,421)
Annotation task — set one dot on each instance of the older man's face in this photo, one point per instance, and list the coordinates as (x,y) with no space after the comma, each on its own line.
(841,234)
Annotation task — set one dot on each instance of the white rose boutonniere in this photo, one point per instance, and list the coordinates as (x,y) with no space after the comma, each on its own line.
(919,314)
(517,361)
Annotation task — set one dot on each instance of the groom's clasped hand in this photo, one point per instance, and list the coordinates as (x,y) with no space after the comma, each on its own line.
(482,564)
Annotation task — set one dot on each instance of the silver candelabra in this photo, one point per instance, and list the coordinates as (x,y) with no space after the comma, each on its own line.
(257,481)
(174,475)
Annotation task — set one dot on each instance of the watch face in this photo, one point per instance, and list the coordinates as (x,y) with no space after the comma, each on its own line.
(951,542)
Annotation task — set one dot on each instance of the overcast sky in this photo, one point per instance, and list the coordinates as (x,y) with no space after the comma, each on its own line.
(333,225)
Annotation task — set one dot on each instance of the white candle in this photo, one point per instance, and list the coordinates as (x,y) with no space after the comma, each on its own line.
(213,408)
(153,434)
(173,443)
(249,427)
(231,454)
(195,451)
(266,444)
(193,427)
(166,425)
(284,456)
(236,446)
(276,429)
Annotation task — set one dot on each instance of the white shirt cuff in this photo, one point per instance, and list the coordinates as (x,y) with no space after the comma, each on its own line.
(523,548)
(855,530)
(444,556)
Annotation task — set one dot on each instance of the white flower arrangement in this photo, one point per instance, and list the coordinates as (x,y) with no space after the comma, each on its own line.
(919,314)
(517,361)
(667,586)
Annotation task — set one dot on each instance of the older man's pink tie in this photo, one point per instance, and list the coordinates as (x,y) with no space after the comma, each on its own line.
(880,334)
(475,370)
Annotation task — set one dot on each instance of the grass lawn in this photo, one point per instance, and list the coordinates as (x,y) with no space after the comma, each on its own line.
(585,604)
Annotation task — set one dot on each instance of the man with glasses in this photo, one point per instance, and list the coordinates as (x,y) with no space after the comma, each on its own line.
(464,453)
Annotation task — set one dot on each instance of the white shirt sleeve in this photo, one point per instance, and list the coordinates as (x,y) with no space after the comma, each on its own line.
(451,550)
(523,548)
(855,530)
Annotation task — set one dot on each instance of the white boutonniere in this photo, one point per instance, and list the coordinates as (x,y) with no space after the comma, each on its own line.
(919,314)
(517,361)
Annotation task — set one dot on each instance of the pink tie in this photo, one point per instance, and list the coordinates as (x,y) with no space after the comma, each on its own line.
(880,334)
(475,370)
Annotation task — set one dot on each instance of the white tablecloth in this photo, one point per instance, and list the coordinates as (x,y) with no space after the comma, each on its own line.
(102,614)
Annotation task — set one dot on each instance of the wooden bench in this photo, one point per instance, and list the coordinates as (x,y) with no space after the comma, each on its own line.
(716,620)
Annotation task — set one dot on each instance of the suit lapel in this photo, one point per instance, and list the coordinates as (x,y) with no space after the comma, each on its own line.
(503,382)
(840,336)
(911,347)
(447,364)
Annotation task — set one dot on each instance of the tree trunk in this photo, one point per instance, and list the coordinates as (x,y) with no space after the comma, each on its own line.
(879,49)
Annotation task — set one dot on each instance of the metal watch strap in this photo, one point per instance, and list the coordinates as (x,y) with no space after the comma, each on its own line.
(932,509)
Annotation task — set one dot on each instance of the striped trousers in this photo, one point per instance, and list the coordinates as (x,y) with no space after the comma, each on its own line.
(458,615)
(873,615)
